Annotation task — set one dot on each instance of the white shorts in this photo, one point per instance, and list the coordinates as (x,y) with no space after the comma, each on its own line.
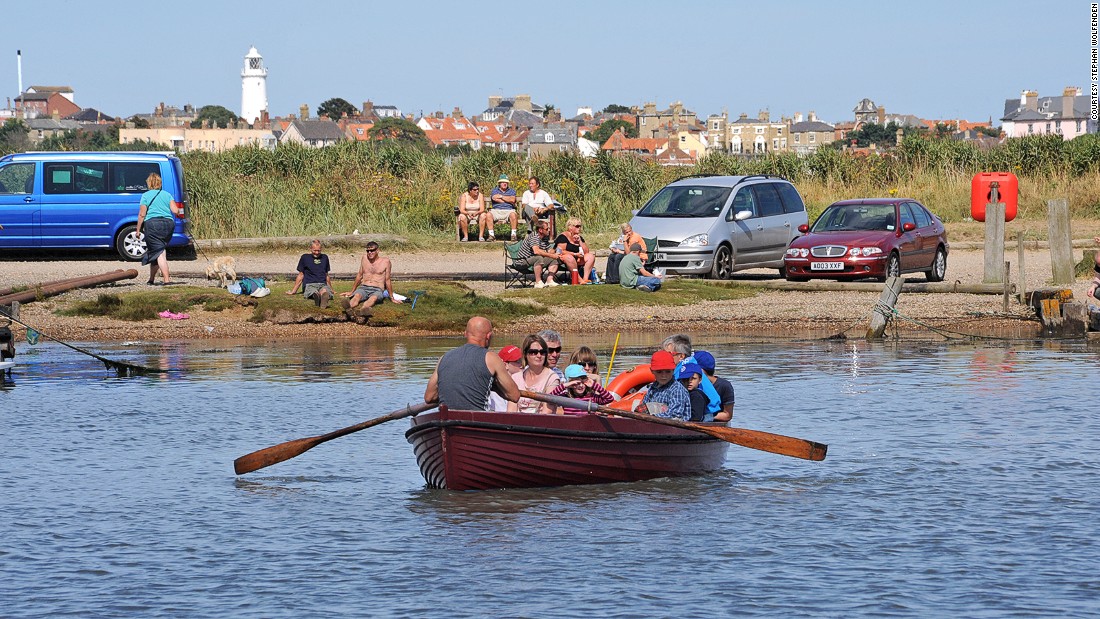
(502,214)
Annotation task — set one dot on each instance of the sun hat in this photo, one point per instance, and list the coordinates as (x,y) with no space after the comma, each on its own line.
(662,360)
(575,371)
(705,360)
(510,353)
(503,179)
(689,369)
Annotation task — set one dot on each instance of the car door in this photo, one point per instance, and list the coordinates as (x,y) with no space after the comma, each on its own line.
(746,235)
(927,233)
(20,209)
(909,243)
(773,226)
(75,204)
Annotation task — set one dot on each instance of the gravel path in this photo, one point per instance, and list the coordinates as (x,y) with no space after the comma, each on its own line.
(770,313)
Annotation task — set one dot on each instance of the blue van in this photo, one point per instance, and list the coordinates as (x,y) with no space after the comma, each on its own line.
(73,200)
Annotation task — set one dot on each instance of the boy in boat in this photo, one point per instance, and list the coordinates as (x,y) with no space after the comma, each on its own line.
(511,356)
(722,387)
(690,377)
(665,397)
(580,386)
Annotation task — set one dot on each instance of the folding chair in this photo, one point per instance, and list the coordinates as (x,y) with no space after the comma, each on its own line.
(651,252)
(516,275)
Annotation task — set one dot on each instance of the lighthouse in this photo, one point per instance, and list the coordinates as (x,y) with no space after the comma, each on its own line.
(253,87)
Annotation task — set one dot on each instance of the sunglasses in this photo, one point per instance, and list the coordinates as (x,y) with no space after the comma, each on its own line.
(588,364)
(554,351)
(372,251)
(536,351)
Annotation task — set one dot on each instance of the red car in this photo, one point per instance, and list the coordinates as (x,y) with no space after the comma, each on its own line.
(870,237)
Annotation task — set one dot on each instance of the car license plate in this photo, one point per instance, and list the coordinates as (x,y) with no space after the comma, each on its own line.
(660,256)
(826,266)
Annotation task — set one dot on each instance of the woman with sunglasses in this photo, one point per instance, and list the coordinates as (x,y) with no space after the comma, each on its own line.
(574,253)
(535,376)
(471,211)
(586,358)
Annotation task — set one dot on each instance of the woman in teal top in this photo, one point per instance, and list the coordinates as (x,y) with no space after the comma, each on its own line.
(158,216)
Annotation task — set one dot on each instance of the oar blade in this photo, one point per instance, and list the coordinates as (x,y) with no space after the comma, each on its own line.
(766,441)
(274,454)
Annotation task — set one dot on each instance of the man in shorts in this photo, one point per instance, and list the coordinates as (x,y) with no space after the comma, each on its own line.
(503,200)
(372,282)
(313,271)
(537,253)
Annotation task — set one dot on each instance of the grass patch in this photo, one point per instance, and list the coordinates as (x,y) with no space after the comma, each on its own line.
(672,293)
(145,305)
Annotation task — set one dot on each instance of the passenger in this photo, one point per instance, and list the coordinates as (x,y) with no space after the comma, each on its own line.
(586,358)
(574,253)
(553,350)
(537,204)
(665,396)
(471,210)
(503,200)
(619,250)
(465,375)
(633,274)
(511,356)
(679,345)
(535,376)
(372,282)
(537,253)
(722,387)
(580,386)
(314,272)
(690,377)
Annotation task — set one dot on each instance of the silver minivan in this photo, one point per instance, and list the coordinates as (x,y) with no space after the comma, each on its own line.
(715,225)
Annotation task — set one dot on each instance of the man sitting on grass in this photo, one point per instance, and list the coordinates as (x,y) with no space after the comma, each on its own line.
(632,273)
(313,271)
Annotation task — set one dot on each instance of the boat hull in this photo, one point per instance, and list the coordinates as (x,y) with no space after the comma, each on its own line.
(480,450)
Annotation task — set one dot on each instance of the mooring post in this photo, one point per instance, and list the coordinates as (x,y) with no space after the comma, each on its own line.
(1008,286)
(994,237)
(1061,243)
(1022,298)
(880,316)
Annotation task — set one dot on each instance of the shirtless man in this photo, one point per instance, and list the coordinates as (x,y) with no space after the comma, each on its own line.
(372,279)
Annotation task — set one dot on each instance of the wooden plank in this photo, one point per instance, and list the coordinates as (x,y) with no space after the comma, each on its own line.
(1061,241)
(1075,319)
(994,243)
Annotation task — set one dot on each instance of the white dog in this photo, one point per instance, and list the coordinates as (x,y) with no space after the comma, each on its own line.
(224,268)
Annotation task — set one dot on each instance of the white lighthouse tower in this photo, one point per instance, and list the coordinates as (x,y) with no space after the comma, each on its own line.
(253,87)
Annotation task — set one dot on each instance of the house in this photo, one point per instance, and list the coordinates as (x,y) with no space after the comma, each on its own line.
(552,138)
(514,140)
(716,133)
(170,115)
(693,143)
(206,138)
(758,135)
(808,135)
(48,127)
(90,115)
(672,155)
(44,104)
(503,107)
(355,129)
(453,130)
(491,132)
(619,143)
(312,133)
(64,91)
(654,123)
(1067,115)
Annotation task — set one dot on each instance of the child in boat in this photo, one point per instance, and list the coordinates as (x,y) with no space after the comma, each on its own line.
(580,386)
(691,375)
(665,397)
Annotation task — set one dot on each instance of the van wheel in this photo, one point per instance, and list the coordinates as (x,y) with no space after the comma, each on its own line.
(723,263)
(129,245)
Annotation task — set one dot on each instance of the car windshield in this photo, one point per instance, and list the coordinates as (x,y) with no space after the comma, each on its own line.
(844,217)
(686,201)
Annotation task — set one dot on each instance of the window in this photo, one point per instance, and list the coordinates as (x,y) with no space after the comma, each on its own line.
(906,215)
(767,198)
(759,131)
(683,139)
(1078,126)
(792,202)
(743,201)
(1048,126)
(796,137)
(737,131)
(17,178)
(1030,128)
(131,177)
(715,126)
(549,137)
(643,120)
(775,143)
(921,215)
(779,130)
(65,178)
(686,201)
(812,138)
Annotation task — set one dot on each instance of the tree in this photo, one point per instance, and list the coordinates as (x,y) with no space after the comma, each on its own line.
(608,127)
(992,132)
(874,133)
(615,108)
(139,122)
(547,110)
(399,130)
(14,136)
(335,108)
(216,114)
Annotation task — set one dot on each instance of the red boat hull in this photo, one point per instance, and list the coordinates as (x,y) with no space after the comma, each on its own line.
(479,450)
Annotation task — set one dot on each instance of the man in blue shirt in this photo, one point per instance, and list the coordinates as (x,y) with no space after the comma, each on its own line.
(503,199)
(313,271)
(666,397)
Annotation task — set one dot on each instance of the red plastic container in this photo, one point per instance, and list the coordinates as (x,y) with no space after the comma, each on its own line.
(1007,187)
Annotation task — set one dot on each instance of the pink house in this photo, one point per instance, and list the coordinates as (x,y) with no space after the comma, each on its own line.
(1067,115)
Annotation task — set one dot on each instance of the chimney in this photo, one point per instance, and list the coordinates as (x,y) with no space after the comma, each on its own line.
(368,107)
(457,113)
(160,109)
(813,116)
(649,109)
(494,101)
(798,117)
(523,102)
(1030,100)
(304,111)
(881,114)
(677,109)
(265,120)
(764,115)
(1067,101)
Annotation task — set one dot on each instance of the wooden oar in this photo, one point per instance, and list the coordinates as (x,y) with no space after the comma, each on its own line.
(291,449)
(753,439)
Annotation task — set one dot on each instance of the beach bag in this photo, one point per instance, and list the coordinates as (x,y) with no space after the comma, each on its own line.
(248,285)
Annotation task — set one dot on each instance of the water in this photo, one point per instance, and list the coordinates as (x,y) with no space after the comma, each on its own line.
(960,481)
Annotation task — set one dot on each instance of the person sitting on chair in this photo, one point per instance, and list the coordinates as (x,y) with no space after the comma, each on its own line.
(503,198)
(537,204)
(620,248)
(471,211)
(537,253)
(574,253)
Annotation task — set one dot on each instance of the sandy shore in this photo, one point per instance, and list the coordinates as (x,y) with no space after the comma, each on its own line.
(770,313)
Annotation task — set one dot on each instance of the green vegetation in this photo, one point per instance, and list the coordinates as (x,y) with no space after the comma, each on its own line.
(216,114)
(400,130)
(608,127)
(145,305)
(672,293)
(335,108)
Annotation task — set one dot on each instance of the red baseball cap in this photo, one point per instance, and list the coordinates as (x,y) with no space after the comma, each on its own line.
(510,353)
(662,360)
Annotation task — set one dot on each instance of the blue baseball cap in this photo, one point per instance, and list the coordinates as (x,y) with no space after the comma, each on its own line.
(575,371)
(688,369)
(705,360)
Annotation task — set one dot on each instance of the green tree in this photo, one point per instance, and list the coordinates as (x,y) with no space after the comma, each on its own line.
(547,110)
(335,108)
(399,130)
(992,132)
(944,130)
(216,114)
(139,122)
(615,108)
(608,127)
(874,133)
(14,136)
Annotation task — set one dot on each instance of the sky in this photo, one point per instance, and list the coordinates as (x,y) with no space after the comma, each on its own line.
(936,59)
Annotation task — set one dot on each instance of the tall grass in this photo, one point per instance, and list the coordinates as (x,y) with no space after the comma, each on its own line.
(385,187)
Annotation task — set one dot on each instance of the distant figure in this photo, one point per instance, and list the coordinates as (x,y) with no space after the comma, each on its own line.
(535,376)
(620,248)
(157,216)
(314,271)
(574,253)
(512,357)
(580,386)
(471,211)
(665,396)
(372,282)
(537,204)
(537,252)
(632,273)
(465,375)
(722,387)
(553,350)
(503,200)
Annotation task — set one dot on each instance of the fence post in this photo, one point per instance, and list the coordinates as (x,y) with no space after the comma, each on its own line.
(1020,267)
(1061,242)
(994,243)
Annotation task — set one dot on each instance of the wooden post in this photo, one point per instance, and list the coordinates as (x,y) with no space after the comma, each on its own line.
(880,317)
(994,243)
(1008,267)
(1022,286)
(1061,241)
(1075,319)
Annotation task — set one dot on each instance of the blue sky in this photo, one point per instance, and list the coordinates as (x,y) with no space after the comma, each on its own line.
(935,59)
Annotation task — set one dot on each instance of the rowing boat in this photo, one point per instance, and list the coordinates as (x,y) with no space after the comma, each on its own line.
(480,450)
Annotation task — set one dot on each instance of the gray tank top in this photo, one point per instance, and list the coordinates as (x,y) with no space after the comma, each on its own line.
(464,379)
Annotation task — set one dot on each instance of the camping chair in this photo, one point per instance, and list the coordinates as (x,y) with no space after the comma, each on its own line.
(516,275)
(651,252)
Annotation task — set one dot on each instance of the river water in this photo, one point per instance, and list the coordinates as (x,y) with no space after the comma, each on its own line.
(961,481)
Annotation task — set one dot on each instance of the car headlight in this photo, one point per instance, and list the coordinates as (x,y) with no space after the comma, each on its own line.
(795,252)
(856,252)
(696,240)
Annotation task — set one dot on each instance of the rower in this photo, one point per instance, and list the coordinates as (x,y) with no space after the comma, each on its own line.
(464,376)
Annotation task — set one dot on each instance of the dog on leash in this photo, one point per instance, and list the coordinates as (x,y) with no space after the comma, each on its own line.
(224,268)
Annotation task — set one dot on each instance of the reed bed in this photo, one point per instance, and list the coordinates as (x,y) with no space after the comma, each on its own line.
(392,188)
